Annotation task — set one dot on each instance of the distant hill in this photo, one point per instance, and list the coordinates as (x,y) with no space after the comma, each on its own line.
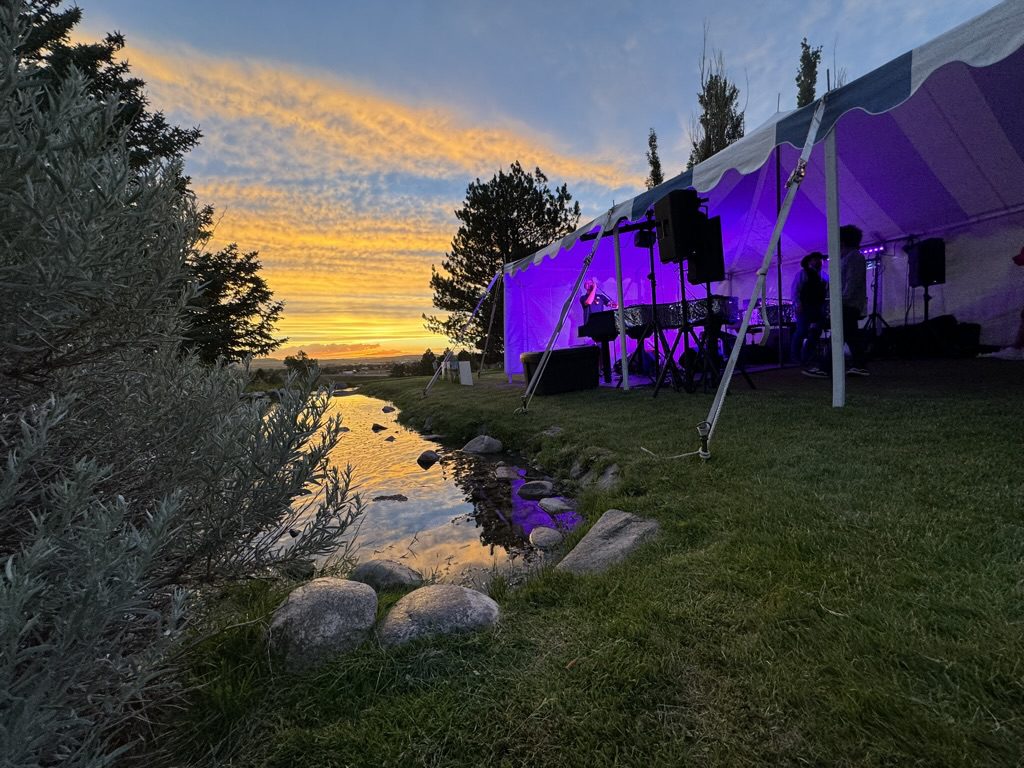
(273,362)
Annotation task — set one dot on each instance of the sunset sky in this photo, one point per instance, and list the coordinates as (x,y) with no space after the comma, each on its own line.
(339,137)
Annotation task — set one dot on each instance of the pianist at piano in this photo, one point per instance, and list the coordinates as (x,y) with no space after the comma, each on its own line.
(594,300)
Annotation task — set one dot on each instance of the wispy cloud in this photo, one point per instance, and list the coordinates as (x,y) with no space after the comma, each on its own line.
(348,196)
(314,121)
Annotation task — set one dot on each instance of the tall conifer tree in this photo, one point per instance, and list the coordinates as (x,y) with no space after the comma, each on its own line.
(807,77)
(504,219)
(656,175)
(721,119)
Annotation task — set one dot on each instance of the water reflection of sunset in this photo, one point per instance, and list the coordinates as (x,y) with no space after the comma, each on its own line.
(457,516)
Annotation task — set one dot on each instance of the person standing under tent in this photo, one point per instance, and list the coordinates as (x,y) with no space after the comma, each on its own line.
(1016,350)
(855,296)
(855,304)
(809,291)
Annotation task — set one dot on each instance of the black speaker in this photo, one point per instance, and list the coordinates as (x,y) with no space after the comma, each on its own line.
(926,262)
(679,222)
(643,238)
(707,263)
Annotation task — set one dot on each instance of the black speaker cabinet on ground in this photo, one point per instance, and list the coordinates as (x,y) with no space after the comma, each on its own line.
(567,370)
(926,262)
(678,218)
(707,264)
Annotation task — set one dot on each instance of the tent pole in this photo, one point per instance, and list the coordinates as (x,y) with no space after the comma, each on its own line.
(535,379)
(490,326)
(835,270)
(623,361)
(778,247)
(707,428)
(462,333)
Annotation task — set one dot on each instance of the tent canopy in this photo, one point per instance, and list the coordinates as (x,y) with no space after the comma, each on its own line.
(931,143)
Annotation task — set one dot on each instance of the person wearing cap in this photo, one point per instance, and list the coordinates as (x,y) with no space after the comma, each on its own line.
(809,291)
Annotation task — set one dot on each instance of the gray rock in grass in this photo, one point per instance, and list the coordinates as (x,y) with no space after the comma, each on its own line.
(378,427)
(536,489)
(439,609)
(545,538)
(388,409)
(483,444)
(608,542)
(386,574)
(606,481)
(322,619)
(427,459)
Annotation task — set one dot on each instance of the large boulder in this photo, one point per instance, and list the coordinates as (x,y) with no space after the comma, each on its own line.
(322,619)
(386,574)
(483,444)
(536,489)
(608,542)
(440,609)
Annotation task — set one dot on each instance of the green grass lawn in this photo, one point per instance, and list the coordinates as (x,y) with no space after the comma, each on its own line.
(835,587)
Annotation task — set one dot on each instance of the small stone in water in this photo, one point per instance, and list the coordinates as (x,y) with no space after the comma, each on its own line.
(536,489)
(555,506)
(428,459)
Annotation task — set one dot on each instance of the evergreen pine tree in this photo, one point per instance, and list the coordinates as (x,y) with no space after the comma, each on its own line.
(504,219)
(807,77)
(655,177)
(721,120)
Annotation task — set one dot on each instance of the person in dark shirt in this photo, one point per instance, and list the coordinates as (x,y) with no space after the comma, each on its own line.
(855,303)
(809,291)
(593,300)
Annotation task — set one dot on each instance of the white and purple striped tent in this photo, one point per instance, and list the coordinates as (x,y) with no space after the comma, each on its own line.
(930,144)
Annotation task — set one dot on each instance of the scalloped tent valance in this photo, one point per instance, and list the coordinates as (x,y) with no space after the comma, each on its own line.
(931,143)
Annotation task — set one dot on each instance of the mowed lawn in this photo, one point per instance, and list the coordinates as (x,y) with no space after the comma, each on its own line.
(834,587)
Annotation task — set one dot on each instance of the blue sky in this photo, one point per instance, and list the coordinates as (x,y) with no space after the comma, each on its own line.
(340,136)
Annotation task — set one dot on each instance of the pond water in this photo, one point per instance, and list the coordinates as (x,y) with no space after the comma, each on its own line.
(456,520)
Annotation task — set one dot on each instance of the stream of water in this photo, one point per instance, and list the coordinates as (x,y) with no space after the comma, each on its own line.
(455,520)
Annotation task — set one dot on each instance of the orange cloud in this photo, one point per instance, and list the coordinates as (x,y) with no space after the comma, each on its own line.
(301,120)
(347,195)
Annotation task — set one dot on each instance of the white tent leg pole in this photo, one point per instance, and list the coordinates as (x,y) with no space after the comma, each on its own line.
(835,270)
(535,380)
(707,428)
(462,333)
(623,365)
(487,338)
